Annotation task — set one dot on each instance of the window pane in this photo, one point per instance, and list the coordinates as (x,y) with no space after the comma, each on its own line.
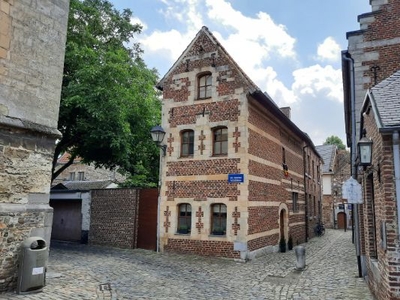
(202,92)
(208,79)
(208,91)
(223,208)
(224,147)
(185,150)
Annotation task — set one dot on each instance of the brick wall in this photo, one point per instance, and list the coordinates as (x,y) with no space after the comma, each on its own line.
(114,217)
(204,248)
(376,44)
(383,273)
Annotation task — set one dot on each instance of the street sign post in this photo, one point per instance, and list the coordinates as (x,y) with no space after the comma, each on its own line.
(351,190)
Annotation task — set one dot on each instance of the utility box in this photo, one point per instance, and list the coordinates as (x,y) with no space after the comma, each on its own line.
(32,266)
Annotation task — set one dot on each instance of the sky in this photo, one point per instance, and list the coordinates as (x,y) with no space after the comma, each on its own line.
(290,48)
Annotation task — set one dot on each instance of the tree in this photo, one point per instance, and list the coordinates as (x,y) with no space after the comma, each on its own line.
(335,140)
(108,100)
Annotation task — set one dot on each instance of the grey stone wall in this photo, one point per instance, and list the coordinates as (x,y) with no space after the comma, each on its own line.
(32,46)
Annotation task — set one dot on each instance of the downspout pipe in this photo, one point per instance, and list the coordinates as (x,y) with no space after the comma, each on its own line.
(347,57)
(305,192)
(396,161)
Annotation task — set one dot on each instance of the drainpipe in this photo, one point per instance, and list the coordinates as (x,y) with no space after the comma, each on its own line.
(346,56)
(396,161)
(305,192)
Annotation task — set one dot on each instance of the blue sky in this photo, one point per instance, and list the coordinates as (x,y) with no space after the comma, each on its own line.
(289,48)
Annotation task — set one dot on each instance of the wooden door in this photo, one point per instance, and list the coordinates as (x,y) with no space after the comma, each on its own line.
(147,219)
(341,218)
(67,220)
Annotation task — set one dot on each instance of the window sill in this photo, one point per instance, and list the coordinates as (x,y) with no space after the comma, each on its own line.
(185,234)
(188,156)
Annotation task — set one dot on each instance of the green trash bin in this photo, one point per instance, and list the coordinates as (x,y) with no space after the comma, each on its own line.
(32,266)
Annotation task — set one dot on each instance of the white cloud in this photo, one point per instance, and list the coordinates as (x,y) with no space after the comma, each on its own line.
(329,50)
(262,30)
(316,81)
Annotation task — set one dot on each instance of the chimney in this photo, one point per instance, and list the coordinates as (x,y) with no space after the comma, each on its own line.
(286,111)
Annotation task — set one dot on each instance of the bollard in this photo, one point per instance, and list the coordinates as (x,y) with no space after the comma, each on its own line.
(301,257)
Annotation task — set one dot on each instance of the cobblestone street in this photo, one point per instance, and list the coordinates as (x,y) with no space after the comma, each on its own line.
(87,272)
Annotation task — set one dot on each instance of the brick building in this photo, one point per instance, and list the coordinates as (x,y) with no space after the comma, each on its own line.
(335,171)
(238,174)
(32,43)
(381,181)
(79,171)
(370,78)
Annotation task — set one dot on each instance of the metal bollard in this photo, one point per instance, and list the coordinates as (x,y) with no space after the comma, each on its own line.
(301,257)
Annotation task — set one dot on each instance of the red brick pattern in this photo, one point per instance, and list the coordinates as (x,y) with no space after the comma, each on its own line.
(167,223)
(202,247)
(236,217)
(262,218)
(199,223)
(203,167)
(202,189)
(219,111)
(264,241)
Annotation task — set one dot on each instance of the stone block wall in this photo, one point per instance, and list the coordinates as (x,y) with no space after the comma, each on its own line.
(32,42)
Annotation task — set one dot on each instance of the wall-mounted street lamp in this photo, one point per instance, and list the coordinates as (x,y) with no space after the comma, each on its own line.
(157,134)
(364,150)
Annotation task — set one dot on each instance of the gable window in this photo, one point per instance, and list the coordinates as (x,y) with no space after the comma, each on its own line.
(295,199)
(204,86)
(184,218)
(187,143)
(218,219)
(81,176)
(72,176)
(220,141)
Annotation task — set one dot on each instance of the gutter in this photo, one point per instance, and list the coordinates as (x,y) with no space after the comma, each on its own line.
(347,57)
(305,193)
(396,161)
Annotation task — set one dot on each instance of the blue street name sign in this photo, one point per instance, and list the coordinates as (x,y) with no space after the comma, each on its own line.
(235,178)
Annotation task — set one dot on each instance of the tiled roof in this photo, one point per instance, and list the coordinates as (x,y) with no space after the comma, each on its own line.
(63,159)
(386,96)
(327,153)
(87,185)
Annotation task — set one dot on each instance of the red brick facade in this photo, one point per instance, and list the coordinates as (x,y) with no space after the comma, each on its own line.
(375,50)
(260,141)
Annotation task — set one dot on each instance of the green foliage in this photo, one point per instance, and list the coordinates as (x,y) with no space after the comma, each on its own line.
(108,101)
(335,140)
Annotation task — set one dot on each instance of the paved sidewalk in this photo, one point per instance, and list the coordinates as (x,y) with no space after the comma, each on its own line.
(88,272)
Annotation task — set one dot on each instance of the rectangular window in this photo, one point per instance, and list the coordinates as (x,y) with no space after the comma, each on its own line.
(72,176)
(220,141)
(185,218)
(81,176)
(205,82)
(187,146)
(218,223)
(295,203)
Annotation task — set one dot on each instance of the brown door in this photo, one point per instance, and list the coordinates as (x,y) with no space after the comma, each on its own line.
(67,220)
(341,218)
(147,220)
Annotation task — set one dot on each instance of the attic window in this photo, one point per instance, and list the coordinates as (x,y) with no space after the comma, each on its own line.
(204,85)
